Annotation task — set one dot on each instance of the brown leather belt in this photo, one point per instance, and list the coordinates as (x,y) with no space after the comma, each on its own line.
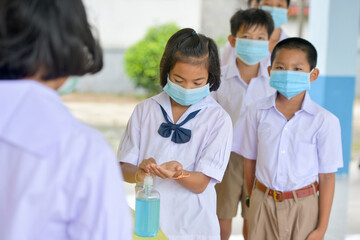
(280,196)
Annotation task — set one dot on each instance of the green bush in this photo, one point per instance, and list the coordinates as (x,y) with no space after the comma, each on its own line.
(142,60)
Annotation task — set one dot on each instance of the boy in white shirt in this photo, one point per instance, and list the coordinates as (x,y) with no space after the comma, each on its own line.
(289,142)
(243,81)
(279,10)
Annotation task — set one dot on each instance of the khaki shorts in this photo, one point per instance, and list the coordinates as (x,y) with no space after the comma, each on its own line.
(232,189)
(291,219)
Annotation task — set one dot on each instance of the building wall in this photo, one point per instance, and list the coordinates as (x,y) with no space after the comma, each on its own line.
(121,23)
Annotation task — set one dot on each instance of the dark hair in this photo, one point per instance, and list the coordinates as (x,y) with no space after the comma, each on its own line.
(251,17)
(190,47)
(299,44)
(287,3)
(51,38)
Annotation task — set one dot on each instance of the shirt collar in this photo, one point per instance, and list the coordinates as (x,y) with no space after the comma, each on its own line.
(164,100)
(307,105)
(263,68)
(233,71)
(24,108)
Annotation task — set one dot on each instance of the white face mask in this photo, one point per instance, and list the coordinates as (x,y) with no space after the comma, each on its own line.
(185,96)
(251,51)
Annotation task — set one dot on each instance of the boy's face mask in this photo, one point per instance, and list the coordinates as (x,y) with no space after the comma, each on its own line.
(279,15)
(251,51)
(185,96)
(290,83)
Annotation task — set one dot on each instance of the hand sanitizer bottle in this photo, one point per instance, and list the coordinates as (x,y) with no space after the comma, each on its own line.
(147,210)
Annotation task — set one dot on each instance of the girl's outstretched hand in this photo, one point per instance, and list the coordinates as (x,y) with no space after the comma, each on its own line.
(170,169)
(144,169)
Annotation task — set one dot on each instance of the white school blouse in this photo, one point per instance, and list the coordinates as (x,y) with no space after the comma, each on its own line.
(59,179)
(184,215)
(289,154)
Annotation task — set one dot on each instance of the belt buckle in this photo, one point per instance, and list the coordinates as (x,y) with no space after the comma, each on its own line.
(275,196)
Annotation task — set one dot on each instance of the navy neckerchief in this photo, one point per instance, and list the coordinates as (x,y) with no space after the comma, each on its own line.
(181,135)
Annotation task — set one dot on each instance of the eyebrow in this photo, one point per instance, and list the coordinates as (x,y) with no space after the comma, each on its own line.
(179,76)
(296,64)
(201,78)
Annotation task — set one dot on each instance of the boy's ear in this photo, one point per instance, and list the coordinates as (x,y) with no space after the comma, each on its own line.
(269,70)
(232,40)
(314,74)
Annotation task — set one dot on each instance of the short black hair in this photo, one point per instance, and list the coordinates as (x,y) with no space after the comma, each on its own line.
(249,18)
(287,3)
(300,44)
(190,47)
(48,38)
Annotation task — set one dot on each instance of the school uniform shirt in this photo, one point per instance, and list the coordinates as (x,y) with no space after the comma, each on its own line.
(184,215)
(234,93)
(229,54)
(289,154)
(59,179)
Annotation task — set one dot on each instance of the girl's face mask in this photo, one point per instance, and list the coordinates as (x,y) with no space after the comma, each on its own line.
(185,96)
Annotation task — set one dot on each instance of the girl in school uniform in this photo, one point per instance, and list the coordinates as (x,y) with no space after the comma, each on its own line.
(182,137)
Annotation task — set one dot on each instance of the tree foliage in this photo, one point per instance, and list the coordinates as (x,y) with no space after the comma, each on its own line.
(142,60)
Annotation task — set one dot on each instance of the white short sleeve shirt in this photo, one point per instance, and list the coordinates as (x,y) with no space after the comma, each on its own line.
(234,93)
(59,179)
(290,154)
(183,214)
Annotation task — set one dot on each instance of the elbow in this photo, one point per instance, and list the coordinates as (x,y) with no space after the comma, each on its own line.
(201,188)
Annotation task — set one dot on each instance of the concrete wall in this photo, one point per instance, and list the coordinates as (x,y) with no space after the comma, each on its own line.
(121,23)
(215,20)
(111,79)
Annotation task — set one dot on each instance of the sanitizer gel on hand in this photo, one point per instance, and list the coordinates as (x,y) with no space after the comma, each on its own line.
(147,210)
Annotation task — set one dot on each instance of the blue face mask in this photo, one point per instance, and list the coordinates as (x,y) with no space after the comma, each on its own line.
(290,83)
(251,51)
(279,15)
(185,96)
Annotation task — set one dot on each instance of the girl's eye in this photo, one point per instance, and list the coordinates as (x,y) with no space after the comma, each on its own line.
(178,81)
(279,68)
(246,37)
(197,84)
(298,69)
(261,38)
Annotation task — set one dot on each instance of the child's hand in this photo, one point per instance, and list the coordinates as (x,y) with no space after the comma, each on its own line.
(144,169)
(315,235)
(168,170)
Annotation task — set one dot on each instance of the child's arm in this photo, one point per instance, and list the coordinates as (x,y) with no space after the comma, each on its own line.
(326,195)
(249,171)
(195,182)
(133,174)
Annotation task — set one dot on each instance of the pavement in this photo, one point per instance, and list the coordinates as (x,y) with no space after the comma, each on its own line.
(109,114)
